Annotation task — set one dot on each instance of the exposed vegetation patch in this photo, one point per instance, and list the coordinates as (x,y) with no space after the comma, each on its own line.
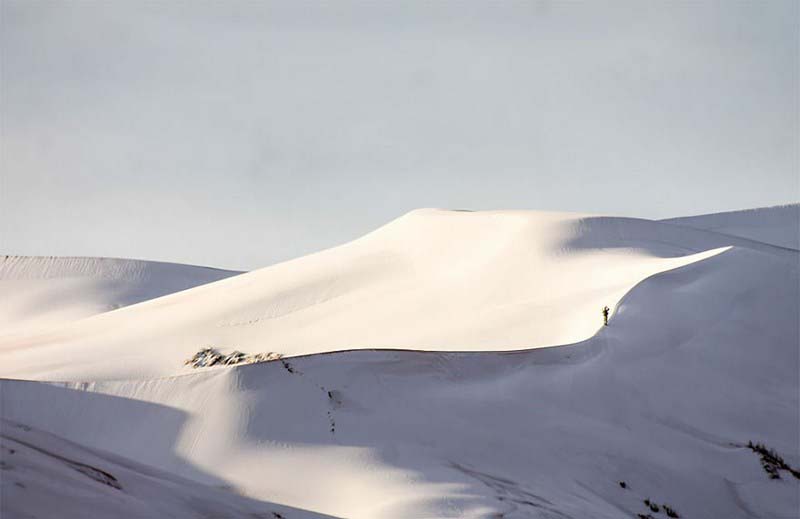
(771,461)
(653,507)
(656,509)
(209,356)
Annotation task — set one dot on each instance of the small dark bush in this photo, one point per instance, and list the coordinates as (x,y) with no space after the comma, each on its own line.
(771,461)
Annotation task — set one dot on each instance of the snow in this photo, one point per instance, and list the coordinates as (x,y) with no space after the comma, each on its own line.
(431,280)
(46,476)
(40,292)
(504,395)
(778,225)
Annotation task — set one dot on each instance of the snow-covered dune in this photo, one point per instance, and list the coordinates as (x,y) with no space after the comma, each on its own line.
(779,225)
(40,292)
(700,358)
(430,280)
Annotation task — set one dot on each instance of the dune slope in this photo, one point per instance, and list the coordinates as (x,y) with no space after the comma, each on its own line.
(701,357)
(43,292)
(47,476)
(779,225)
(431,280)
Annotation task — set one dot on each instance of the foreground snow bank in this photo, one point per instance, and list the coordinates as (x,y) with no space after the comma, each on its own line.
(47,476)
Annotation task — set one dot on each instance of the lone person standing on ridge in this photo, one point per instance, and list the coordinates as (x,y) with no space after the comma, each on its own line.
(605,315)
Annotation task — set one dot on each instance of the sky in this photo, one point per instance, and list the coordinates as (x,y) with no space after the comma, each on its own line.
(239,134)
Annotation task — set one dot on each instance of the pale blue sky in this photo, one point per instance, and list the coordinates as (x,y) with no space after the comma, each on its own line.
(238,134)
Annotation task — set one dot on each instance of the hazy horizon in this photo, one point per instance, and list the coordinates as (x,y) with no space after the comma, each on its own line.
(240,134)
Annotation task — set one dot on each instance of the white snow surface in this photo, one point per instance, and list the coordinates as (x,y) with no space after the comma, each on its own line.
(39,292)
(495,390)
(778,225)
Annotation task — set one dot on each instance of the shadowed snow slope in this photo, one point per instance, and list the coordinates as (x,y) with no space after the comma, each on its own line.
(39,292)
(779,225)
(701,357)
(69,482)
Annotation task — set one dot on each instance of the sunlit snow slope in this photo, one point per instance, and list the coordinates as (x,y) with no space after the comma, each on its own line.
(430,280)
(40,292)
(701,356)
